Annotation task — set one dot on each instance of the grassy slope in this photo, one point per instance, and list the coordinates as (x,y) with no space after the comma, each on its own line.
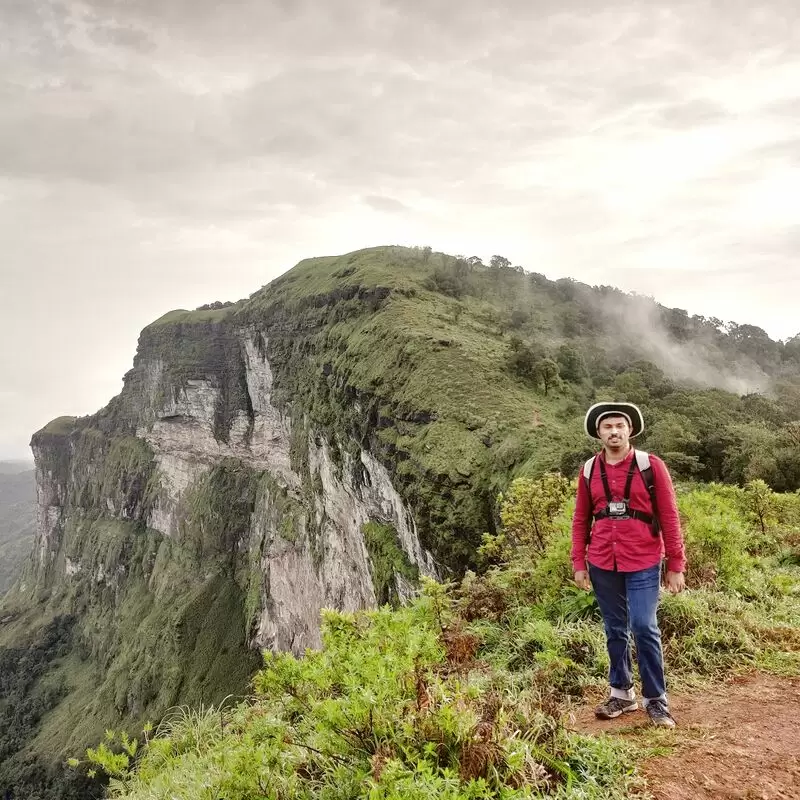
(463,695)
(366,347)
(449,420)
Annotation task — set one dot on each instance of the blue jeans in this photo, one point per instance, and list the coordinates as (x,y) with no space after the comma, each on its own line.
(628,603)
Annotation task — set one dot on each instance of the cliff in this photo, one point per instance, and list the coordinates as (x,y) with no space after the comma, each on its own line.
(237,485)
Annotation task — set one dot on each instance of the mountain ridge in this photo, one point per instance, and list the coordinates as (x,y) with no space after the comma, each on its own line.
(326,441)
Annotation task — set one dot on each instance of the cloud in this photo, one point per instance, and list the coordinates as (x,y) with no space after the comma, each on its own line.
(171,153)
(386,204)
(690,114)
(694,362)
(781,152)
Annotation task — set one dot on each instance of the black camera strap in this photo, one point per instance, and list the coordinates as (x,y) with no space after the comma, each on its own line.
(628,483)
(632,512)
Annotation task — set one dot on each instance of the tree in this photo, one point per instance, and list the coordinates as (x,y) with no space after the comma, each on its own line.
(527,515)
(523,358)
(758,407)
(791,349)
(499,262)
(631,386)
(672,436)
(759,504)
(762,466)
(755,342)
(752,455)
(452,278)
(787,460)
(652,377)
(791,432)
(677,323)
(571,365)
(546,370)
(717,323)
(519,316)
(787,394)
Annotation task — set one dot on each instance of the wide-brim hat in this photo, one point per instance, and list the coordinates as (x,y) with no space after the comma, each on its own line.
(600,410)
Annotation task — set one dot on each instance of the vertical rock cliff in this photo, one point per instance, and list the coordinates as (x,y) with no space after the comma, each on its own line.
(196,455)
(212,509)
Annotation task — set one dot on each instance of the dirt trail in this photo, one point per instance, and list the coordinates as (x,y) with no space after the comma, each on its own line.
(740,740)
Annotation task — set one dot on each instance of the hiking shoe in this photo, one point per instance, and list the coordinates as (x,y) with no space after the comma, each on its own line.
(659,713)
(613,707)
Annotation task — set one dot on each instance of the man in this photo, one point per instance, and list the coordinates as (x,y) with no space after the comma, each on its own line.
(622,528)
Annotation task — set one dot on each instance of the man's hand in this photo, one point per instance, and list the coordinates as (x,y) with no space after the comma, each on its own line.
(675,582)
(582,580)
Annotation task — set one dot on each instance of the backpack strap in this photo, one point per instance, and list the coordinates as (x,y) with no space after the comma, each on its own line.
(588,468)
(646,470)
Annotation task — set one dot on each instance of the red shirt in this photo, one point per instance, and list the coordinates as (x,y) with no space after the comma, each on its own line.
(627,545)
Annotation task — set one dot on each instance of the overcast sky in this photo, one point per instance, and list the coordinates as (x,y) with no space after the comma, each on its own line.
(159,154)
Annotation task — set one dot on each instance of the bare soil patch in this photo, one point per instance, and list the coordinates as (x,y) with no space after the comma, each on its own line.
(737,740)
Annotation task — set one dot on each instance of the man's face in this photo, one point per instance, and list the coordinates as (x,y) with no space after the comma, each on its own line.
(614,432)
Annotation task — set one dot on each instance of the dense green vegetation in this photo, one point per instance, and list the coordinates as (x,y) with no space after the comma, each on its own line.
(31,685)
(462,694)
(387,560)
(157,622)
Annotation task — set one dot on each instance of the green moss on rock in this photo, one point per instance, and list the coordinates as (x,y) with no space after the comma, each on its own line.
(217,510)
(190,346)
(60,426)
(387,560)
(181,315)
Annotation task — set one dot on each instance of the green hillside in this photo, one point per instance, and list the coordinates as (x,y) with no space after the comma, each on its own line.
(457,377)
(448,360)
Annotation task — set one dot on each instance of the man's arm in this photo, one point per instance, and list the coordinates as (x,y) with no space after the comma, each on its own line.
(581,521)
(668,516)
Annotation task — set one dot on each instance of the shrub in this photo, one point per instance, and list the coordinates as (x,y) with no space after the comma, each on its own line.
(717,539)
(703,633)
(461,693)
(527,512)
(382,711)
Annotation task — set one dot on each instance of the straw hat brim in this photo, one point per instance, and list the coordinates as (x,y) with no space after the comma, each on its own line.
(600,410)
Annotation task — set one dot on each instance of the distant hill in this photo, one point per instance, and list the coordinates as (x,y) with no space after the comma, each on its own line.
(14,467)
(17,518)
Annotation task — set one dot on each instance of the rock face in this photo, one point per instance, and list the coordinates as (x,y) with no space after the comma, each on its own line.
(155,458)
(51,503)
